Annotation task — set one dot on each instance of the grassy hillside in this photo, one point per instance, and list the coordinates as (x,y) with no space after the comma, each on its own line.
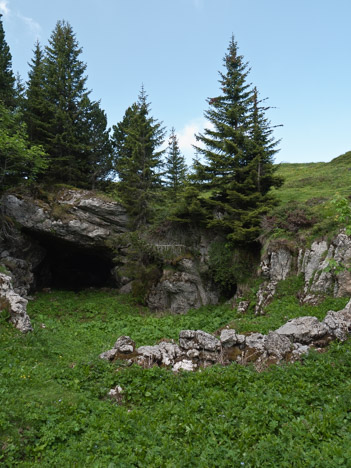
(312,181)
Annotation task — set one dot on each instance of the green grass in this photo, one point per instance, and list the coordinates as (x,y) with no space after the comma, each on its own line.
(315,181)
(53,386)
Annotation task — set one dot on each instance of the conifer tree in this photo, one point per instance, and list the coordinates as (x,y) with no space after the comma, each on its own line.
(137,159)
(229,172)
(97,163)
(36,112)
(175,167)
(65,89)
(7,79)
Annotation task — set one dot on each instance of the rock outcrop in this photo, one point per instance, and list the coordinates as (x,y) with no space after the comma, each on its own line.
(197,348)
(275,266)
(181,289)
(76,216)
(325,268)
(14,305)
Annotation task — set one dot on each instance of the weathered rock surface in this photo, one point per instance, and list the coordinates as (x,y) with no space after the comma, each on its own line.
(286,344)
(276,265)
(14,304)
(77,216)
(181,290)
(319,277)
(303,330)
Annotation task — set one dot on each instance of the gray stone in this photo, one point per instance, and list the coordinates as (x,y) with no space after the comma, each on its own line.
(169,352)
(339,323)
(303,329)
(257,341)
(15,304)
(243,306)
(265,295)
(108,355)
(228,338)
(185,364)
(277,345)
(125,345)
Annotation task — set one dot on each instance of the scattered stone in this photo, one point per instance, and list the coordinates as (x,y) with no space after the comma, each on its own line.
(277,345)
(116,394)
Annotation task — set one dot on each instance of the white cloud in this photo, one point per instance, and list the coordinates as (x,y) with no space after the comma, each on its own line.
(34,27)
(4,9)
(186,137)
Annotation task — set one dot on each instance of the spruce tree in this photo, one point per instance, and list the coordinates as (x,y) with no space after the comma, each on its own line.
(65,89)
(175,167)
(97,163)
(36,112)
(137,159)
(7,79)
(236,196)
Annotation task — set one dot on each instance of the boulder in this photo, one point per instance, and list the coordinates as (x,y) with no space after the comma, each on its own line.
(191,339)
(303,329)
(339,323)
(124,345)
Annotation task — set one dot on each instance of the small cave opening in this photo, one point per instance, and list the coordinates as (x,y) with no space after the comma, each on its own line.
(71,267)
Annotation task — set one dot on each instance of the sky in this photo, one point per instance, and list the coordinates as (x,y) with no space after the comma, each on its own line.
(299,52)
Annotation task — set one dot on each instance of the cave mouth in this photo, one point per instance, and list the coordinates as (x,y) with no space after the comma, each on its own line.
(71,267)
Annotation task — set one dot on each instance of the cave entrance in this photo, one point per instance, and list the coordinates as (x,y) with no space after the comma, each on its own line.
(67,266)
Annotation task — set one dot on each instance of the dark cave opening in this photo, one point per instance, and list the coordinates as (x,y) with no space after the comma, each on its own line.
(67,266)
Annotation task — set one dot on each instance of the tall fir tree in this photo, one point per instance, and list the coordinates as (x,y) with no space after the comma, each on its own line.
(7,78)
(97,163)
(229,172)
(36,112)
(175,168)
(65,88)
(138,161)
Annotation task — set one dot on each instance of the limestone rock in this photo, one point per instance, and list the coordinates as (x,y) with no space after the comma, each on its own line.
(108,355)
(190,339)
(124,345)
(265,295)
(78,217)
(181,290)
(228,338)
(15,304)
(185,364)
(339,323)
(169,352)
(303,329)
(243,306)
(277,345)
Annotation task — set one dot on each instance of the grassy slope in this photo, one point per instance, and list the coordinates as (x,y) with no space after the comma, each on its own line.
(304,182)
(54,410)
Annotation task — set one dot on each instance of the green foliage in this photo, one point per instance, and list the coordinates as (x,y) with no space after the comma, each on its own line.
(238,150)
(229,267)
(343,212)
(137,161)
(54,409)
(7,79)
(175,167)
(19,161)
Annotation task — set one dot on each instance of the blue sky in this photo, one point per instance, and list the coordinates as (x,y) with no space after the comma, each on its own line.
(299,52)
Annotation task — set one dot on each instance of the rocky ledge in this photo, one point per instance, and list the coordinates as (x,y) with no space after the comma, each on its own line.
(197,348)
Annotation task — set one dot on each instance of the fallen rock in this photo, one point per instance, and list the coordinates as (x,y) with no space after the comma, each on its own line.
(190,339)
(277,345)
